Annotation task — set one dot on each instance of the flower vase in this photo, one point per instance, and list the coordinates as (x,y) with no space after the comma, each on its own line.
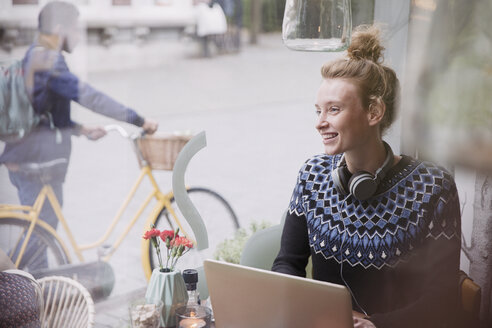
(171,289)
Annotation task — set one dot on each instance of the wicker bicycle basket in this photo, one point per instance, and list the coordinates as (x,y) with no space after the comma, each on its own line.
(161,150)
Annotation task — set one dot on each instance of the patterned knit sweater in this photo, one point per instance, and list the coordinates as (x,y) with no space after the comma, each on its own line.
(397,251)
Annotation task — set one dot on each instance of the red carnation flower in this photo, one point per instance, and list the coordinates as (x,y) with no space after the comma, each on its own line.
(151,233)
(167,234)
(176,246)
(182,241)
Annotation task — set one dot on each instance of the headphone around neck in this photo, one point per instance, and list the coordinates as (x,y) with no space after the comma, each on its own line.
(362,185)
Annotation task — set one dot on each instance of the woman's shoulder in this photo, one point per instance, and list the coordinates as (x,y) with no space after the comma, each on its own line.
(439,173)
(317,169)
(422,173)
(320,162)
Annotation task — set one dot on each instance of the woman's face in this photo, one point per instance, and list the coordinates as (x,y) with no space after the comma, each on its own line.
(344,125)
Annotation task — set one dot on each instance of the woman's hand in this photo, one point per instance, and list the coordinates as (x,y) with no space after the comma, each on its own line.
(150,126)
(360,320)
(93,133)
(362,323)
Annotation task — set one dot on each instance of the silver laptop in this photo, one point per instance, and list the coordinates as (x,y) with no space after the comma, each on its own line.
(244,297)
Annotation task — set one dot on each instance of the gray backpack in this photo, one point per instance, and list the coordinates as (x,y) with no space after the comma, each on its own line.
(17,117)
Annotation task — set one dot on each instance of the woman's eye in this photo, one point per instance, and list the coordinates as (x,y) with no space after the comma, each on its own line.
(331,110)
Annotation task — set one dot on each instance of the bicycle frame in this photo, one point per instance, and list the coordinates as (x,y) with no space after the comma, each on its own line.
(32,215)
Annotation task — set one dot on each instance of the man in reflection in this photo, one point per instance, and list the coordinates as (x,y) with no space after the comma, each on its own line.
(51,88)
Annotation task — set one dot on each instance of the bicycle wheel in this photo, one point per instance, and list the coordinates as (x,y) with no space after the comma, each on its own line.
(218,216)
(42,251)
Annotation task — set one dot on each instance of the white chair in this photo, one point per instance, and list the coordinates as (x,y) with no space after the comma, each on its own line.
(67,304)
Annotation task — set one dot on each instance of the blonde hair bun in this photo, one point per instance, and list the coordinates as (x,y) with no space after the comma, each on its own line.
(366,44)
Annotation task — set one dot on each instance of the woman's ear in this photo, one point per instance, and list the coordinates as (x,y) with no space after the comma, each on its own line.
(376,111)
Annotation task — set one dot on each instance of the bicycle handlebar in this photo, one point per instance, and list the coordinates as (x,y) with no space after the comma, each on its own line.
(133,137)
(117,128)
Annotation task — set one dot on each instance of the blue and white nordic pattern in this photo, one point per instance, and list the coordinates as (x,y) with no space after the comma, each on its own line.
(415,203)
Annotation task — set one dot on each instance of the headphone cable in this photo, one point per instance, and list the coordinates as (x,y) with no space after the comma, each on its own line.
(344,233)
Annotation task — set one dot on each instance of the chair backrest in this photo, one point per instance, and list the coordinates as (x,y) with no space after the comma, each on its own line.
(471,295)
(263,246)
(67,304)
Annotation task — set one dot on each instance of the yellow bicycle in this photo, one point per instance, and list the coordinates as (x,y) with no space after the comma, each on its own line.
(22,229)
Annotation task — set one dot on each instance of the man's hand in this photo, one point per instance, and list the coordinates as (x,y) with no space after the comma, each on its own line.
(150,126)
(93,133)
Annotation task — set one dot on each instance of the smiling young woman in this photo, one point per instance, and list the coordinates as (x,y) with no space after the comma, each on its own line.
(388,227)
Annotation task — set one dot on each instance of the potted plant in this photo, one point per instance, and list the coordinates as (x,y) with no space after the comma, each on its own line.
(230,249)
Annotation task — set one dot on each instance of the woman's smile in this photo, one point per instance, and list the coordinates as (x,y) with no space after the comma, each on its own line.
(328,137)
